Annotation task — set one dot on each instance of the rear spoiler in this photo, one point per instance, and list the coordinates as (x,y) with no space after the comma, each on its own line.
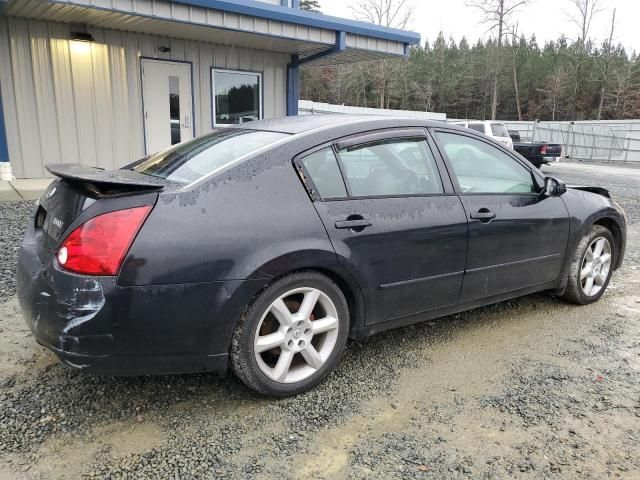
(106,179)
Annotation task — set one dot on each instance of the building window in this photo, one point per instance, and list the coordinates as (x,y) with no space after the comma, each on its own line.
(237,97)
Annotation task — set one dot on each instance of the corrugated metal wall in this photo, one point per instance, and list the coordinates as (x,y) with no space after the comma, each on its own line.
(78,102)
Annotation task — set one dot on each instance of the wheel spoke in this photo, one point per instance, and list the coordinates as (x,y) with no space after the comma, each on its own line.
(312,357)
(584,273)
(267,342)
(600,279)
(282,313)
(588,285)
(589,255)
(324,325)
(282,365)
(605,258)
(308,304)
(597,249)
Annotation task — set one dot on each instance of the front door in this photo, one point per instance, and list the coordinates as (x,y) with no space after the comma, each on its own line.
(167,102)
(392,223)
(517,237)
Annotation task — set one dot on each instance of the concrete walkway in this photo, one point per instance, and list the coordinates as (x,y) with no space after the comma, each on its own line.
(23,189)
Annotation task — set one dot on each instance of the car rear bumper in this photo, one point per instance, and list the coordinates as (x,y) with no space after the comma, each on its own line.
(92,323)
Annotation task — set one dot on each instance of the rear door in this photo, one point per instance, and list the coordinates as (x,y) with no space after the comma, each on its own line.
(517,237)
(393,222)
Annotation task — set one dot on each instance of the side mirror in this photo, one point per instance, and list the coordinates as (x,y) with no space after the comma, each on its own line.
(554,187)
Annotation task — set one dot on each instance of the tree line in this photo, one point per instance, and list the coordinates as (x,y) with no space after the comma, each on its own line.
(515,78)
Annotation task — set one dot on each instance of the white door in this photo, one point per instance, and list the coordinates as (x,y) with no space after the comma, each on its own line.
(167,102)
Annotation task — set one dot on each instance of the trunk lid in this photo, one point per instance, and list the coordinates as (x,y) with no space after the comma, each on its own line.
(77,188)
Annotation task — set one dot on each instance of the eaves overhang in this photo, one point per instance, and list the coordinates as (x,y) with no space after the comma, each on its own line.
(307,18)
(312,37)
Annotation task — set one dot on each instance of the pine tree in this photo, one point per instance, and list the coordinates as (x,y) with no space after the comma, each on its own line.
(310,5)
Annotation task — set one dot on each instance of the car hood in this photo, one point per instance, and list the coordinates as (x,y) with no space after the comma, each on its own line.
(599,190)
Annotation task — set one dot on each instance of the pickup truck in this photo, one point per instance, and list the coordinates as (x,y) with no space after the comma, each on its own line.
(536,152)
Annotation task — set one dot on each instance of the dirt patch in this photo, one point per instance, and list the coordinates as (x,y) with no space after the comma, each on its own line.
(529,388)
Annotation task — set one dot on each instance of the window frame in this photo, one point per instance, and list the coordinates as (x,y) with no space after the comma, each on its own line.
(213,71)
(536,177)
(307,179)
(364,138)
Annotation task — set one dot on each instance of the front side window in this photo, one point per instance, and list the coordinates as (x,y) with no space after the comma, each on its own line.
(499,130)
(323,169)
(482,168)
(478,127)
(189,161)
(237,96)
(400,166)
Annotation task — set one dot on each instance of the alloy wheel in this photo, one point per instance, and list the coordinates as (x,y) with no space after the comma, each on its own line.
(296,335)
(596,264)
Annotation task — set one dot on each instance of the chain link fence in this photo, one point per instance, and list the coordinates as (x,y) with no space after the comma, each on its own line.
(588,141)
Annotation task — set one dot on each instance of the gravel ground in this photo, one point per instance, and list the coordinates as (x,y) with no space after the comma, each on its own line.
(13,217)
(530,388)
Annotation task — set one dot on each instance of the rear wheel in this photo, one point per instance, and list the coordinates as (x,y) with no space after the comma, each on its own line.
(292,335)
(591,266)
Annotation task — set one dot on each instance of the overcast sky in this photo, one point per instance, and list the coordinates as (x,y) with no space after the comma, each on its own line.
(546,18)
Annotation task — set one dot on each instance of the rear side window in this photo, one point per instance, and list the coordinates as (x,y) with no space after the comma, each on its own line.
(394,167)
(478,127)
(192,160)
(323,169)
(499,130)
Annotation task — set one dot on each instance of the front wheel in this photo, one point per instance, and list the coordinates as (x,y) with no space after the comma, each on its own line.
(292,335)
(591,266)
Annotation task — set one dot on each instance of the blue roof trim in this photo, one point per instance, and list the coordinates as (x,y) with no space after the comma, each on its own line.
(303,17)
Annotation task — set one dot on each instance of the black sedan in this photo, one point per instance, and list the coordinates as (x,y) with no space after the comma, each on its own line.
(263,247)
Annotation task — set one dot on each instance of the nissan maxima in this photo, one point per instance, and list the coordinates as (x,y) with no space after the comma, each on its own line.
(263,247)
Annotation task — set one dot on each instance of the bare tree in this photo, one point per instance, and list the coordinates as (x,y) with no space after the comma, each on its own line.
(515,46)
(586,10)
(496,14)
(583,14)
(554,87)
(605,64)
(388,13)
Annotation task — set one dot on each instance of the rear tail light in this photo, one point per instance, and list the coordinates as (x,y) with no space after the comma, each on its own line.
(98,246)
(543,150)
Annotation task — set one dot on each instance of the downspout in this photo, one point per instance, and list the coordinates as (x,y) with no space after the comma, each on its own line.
(293,71)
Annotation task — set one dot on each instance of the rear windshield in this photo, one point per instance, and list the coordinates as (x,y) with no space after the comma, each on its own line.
(194,159)
(499,130)
(478,127)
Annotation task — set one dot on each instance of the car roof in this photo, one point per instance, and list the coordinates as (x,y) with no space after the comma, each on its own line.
(306,123)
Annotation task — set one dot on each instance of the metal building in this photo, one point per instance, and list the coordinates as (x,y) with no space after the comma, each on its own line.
(104,82)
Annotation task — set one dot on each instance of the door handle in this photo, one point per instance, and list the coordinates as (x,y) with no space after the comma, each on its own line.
(187,122)
(357,223)
(484,215)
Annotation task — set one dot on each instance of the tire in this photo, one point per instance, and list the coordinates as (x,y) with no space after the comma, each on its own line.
(578,290)
(274,333)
